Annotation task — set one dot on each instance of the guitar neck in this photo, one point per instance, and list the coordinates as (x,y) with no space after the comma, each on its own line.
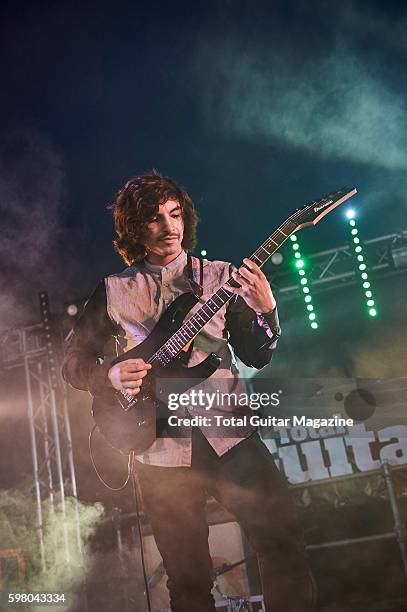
(190,328)
(273,242)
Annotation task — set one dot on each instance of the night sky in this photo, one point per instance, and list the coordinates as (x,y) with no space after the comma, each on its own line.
(255,107)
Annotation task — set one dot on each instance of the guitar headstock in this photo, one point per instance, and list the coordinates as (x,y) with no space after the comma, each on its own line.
(311,213)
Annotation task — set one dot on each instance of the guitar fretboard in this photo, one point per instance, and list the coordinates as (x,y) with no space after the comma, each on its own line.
(190,328)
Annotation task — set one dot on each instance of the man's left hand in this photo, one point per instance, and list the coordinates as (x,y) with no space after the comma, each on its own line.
(255,288)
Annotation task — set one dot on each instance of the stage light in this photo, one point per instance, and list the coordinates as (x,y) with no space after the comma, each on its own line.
(300,265)
(362,270)
(204,253)
(277,259)
(398,257)
(72,310)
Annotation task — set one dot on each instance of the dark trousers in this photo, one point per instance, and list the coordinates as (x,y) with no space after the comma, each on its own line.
(248,484)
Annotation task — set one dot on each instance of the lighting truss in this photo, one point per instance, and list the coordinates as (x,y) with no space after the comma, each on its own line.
(335,268)
(48,422)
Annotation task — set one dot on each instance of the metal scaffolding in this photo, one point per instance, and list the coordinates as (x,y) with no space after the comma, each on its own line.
(34,350)
(386,255)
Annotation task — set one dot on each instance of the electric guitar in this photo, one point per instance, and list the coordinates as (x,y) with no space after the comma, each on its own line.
(129,423)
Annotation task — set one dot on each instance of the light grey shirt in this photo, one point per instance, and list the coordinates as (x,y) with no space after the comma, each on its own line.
(136,299)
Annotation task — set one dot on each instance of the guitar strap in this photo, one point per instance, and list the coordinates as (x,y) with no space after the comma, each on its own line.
(195,274)
(195,277)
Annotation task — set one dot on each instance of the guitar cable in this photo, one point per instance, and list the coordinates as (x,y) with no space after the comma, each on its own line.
(130,465)
(130,474)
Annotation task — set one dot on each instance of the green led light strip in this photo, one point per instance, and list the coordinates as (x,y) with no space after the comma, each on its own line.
(304,283)
(362,269)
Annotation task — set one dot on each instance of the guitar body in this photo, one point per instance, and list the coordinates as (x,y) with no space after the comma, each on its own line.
(132,426)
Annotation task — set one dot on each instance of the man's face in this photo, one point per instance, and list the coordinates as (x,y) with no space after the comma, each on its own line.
(163,235)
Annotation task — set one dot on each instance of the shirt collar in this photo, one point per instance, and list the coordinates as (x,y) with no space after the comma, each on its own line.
(178,262)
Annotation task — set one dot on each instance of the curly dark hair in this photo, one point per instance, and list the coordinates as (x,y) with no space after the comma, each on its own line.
(137,203)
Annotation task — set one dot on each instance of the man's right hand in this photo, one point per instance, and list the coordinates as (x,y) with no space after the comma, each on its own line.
(128,375)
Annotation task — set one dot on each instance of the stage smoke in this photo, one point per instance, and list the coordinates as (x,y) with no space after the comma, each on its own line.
(335,109)
(378,357)
(18,530)
(333,100)
(34,249)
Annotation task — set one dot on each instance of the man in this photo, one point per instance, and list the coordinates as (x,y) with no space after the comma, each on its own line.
(155,222)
